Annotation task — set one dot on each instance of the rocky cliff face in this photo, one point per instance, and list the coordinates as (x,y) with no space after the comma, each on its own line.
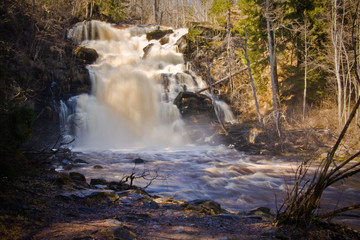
(205,48)
(37,64)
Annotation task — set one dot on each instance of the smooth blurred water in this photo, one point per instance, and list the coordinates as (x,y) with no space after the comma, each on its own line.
(130,114)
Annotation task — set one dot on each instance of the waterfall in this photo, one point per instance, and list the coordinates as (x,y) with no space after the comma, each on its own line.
(131,102)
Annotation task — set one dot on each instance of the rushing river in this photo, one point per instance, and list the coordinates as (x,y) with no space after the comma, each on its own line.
(129,124)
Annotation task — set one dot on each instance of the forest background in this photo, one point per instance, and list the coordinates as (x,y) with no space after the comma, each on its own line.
(299,56)
(290,65)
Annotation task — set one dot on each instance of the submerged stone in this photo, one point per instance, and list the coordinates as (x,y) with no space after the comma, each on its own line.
(139,161)
(80,162)
(98,167)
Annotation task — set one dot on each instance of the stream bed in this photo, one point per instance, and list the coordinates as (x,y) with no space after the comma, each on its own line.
(237,181)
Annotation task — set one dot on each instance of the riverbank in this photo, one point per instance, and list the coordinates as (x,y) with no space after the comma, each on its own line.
(44,204)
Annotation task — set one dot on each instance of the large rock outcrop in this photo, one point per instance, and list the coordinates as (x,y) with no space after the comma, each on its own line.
(195,107)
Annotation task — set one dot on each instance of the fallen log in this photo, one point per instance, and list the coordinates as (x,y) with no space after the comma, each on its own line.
(222,80)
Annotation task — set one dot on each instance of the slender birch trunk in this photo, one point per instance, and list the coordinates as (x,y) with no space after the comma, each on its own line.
(306,70)
(251,79)
(156,11)
(272,64)
(228,26)
(335,40)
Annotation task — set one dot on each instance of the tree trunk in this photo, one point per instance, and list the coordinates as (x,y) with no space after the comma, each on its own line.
(251,79)
(74,7)
(183,13)
(228,27)
(92,8)
(87,10)
(274,69)
(306,69)
(355,49)
(222,80)
(142,11)
(335,40)
(156,11)
(272,65)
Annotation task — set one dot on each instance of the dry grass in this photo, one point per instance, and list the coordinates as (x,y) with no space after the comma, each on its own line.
(303,198)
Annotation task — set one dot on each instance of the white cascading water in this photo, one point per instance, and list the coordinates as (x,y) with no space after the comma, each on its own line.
(130,105)
(130,114)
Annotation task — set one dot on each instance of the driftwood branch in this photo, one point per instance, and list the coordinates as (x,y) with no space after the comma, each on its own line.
(222,80)
(341,210)
(148,175)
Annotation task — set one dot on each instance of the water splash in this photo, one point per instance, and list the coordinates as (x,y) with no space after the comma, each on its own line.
(134,84)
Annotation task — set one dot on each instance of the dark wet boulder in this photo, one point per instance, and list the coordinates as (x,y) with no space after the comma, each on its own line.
(158,34)
(80,162)
(98,167)
(182,44)
(164,40)
(149,203)
(139,161)
(108,195)
(207,207)
(78,177)
(118,186)
(98,181)
(86,55)
(124,233)
(147,50)
(260,213)
(195,105)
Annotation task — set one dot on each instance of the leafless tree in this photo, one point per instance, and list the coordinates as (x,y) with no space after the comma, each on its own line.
(251,78)
(272,57)
(303,198)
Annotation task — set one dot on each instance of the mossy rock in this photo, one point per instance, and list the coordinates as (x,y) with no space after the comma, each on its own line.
(78,178)
(158,34)
(207,207)
(87,55)
(164,40)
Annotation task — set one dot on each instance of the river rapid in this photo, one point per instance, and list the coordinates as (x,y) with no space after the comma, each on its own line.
(129,124)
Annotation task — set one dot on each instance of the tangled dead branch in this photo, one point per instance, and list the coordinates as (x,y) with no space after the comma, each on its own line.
(303,199)
(148,175)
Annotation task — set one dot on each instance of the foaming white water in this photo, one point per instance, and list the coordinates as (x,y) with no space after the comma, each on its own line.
(235,180)
(130,114)
(133,89)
